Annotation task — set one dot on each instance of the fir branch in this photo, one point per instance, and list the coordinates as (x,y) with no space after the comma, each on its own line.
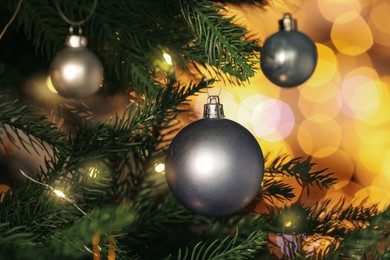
(276,189)
(365,242)
(37,210)
(225,249)
(38,20)
(24,129)
(219,42)
(301,171)
(332,220)
(16,242)
(71,242)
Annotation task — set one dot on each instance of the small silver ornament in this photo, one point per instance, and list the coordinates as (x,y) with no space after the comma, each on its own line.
(288,57)
(214,166)
(75,71)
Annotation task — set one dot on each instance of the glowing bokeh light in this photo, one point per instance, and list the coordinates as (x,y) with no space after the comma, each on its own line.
(386,164)
(341,164)
(93,172)
(159,167)
(371,134)
(59,193)
(274,149)
(319,94)
(326,68)
(369,164)
(381,115)
(331,9)
(360,96)
(351,34)
(319,112)
(167,58)
(349,63)
(378,23)
(370,196)
(270,119)
(319,140)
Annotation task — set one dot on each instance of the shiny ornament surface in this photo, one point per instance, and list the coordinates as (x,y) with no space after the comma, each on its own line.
(214,166)
(75,71)
(288,57)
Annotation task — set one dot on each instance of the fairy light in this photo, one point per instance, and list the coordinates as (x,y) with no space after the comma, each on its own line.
(93,172)
(159,168)
(59,193)
(55,191)
(288,224)
(167,58)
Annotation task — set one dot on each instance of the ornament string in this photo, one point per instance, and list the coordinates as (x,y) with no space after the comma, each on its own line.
(207,81)
(12,19)
(80,22)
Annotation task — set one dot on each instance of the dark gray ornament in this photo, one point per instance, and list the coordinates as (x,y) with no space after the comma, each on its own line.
(75,71)
(288,57)
(214,166)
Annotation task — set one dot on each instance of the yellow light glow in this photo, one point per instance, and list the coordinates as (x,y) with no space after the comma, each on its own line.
(319,140)
(319,111)
(59,193)
(371,196)
(276,148)
(167,58)
(377,21)
(386,164)
(371,157)
(269,119)
(360,96)
(93,172)
(288,224)
(351,34)
(350,63)
(326,69)
(50,86)
(331,9)
(342,165)
(381,115)
(159,167)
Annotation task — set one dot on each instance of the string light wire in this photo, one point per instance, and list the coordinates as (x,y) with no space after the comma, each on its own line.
(55,191)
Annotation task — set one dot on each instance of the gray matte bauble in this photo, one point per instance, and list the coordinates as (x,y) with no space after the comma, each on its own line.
(75,71)
(214,166)
(288,57)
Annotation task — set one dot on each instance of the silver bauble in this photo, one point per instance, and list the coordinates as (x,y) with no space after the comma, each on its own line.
(214,166)
(76,72)
(288,57)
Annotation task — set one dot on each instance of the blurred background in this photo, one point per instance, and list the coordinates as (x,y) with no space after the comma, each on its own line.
(341,116)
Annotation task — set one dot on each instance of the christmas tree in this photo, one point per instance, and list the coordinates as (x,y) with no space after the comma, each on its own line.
(89,188)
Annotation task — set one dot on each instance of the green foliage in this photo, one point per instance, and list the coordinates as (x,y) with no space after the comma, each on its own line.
(106,168)
(225,249)
(212,46)
(25,130)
